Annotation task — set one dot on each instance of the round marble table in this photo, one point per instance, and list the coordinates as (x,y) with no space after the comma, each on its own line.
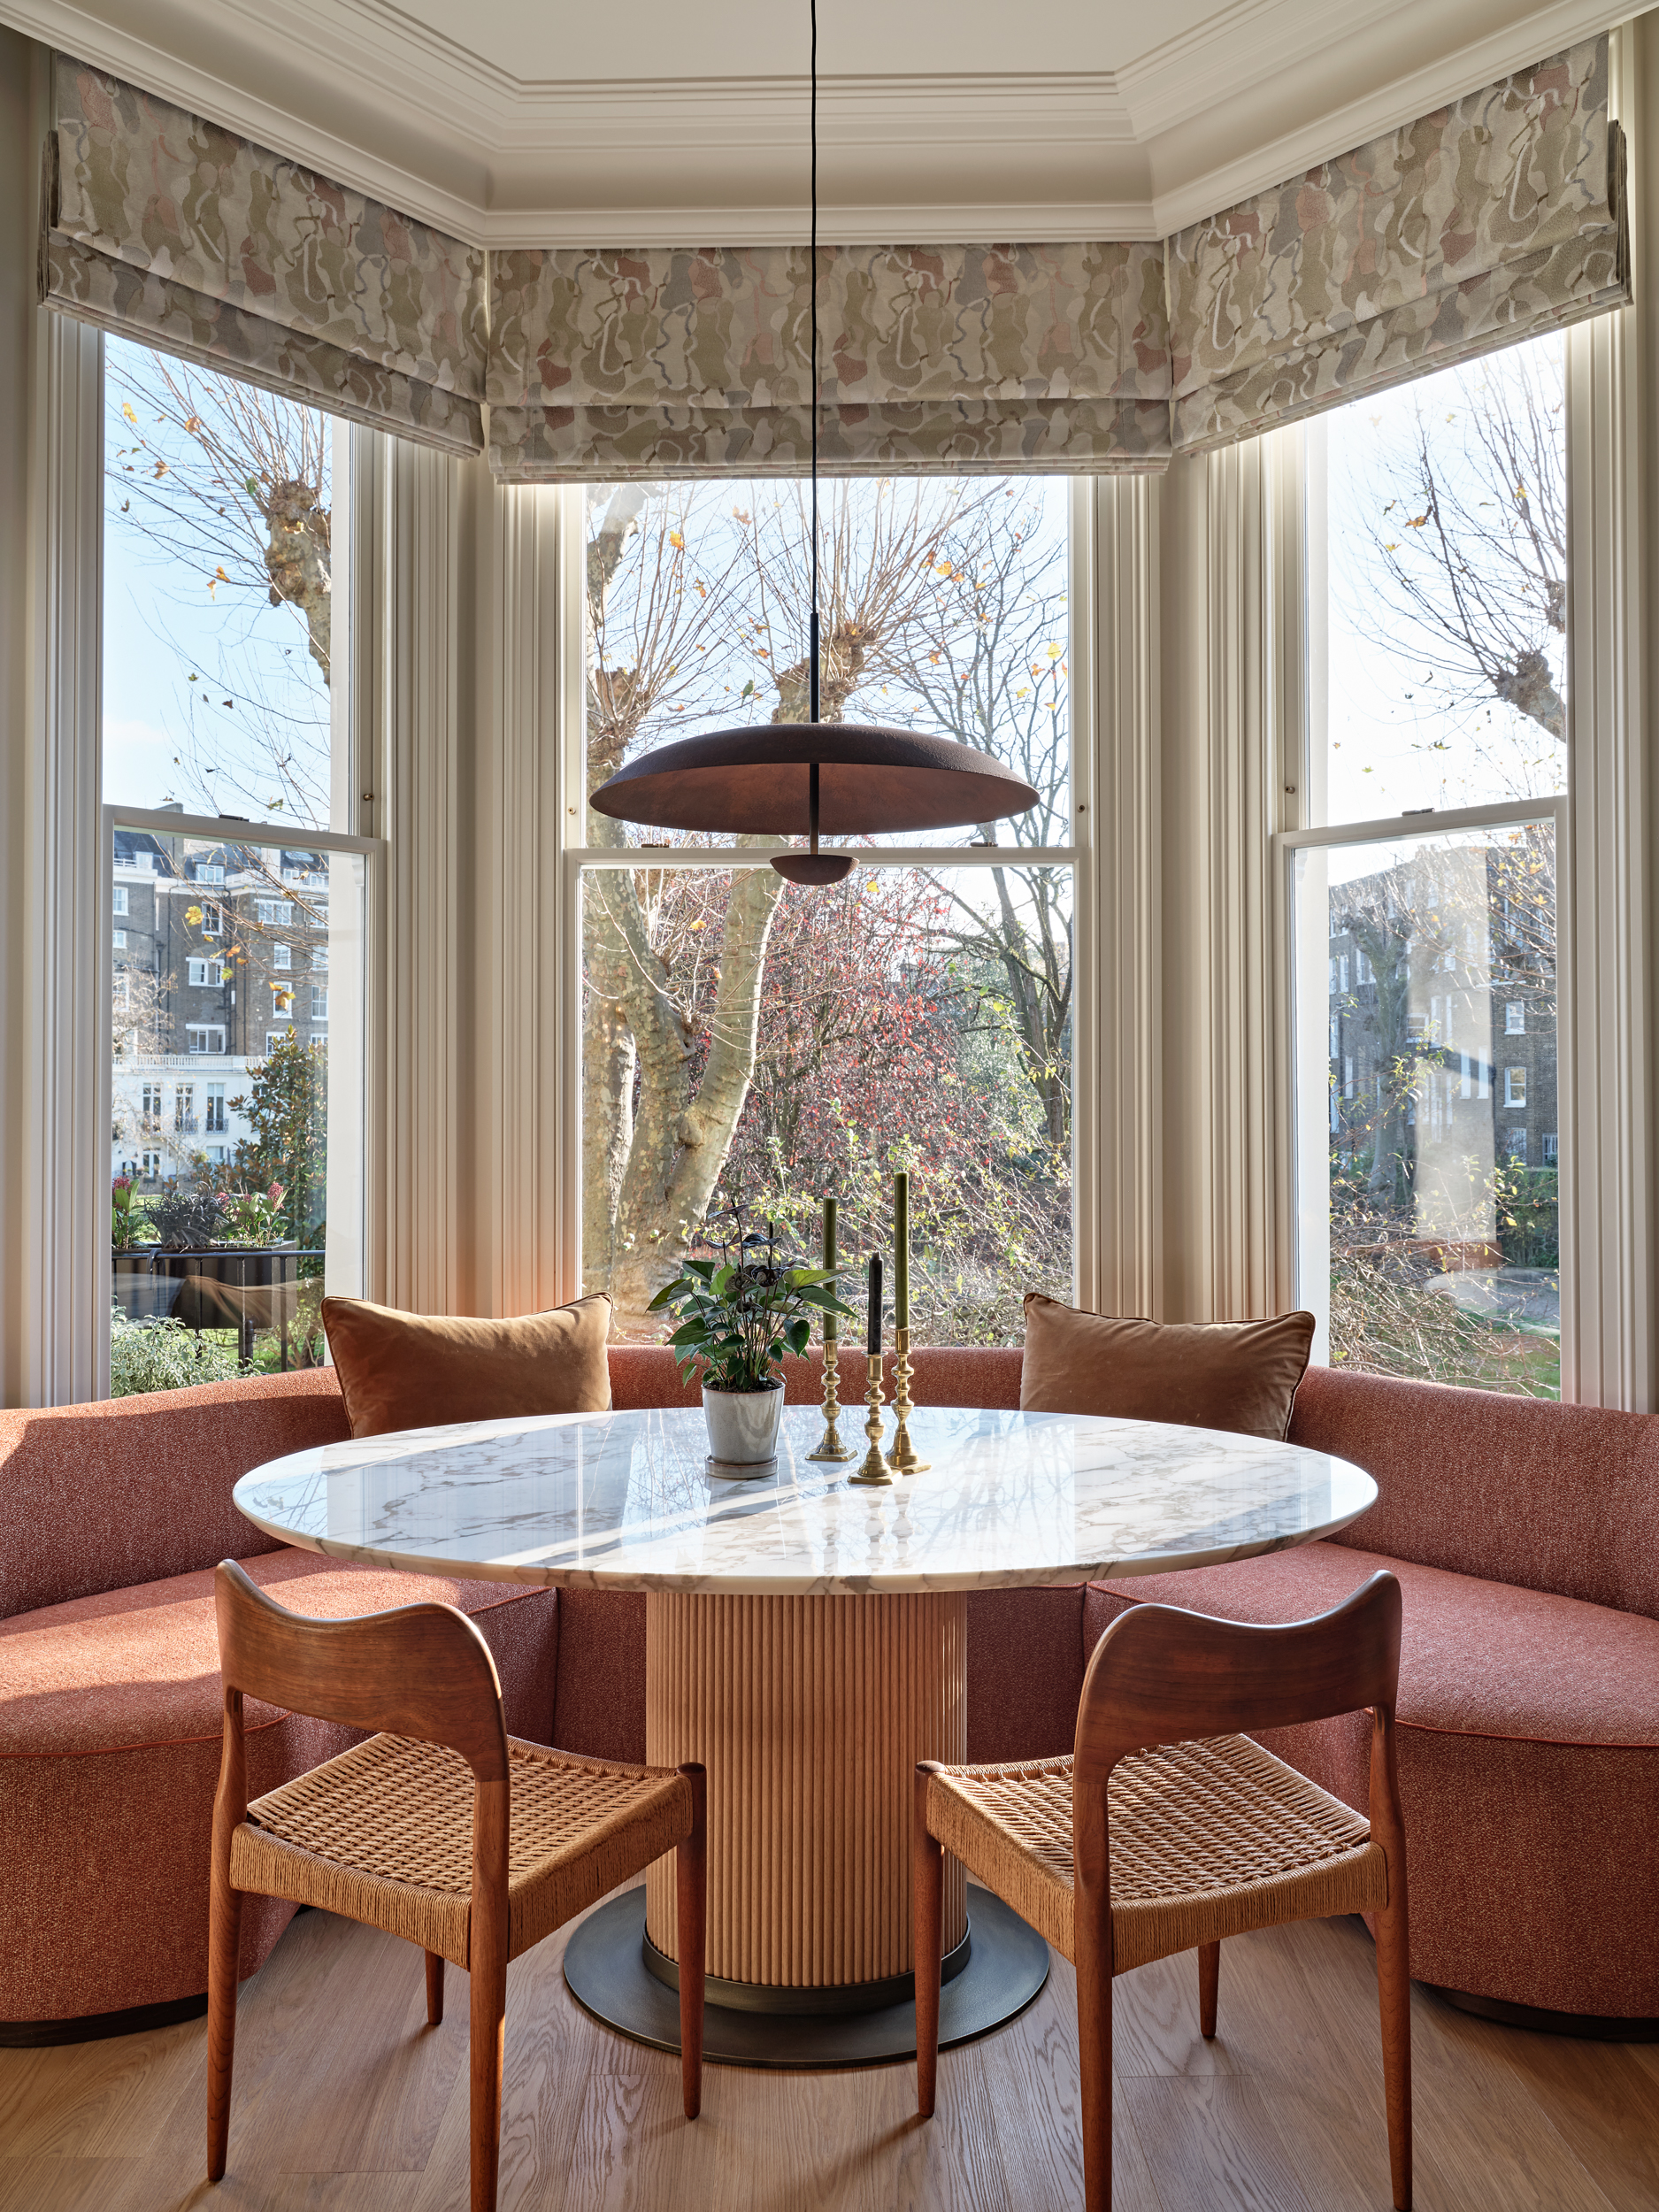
(806,1640)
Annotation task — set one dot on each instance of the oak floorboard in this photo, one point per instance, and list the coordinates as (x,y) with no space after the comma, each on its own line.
(1154,2021)
(345,2102)
(1211,2139)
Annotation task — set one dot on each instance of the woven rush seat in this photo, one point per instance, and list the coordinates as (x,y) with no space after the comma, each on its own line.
(383,1833)
(1208,1839)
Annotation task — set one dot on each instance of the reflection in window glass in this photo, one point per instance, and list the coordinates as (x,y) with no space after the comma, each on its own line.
(1429,1193)
(1444,546)
(944,607)
(221,1163)
(743,1037)
(216,595)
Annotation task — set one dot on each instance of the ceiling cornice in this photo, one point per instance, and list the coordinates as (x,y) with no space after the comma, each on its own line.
(362,92)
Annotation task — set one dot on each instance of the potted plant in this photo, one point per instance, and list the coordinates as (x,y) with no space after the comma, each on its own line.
(738,1315)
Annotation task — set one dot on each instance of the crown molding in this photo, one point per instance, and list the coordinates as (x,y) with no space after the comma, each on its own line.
(366,94)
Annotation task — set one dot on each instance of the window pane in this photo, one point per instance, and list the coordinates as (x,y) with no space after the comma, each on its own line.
(745,1037)
(216,593)
(944,605)
(1445,554)
(228,1159)
(1426,1113)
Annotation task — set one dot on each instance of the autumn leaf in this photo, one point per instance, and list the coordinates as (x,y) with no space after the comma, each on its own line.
(126,410)
(676,541)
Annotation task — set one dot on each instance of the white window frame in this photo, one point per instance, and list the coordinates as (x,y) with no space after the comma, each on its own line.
(1307,1066)
(117,899)
(1513,1009)
(1514,1090)
(578,859)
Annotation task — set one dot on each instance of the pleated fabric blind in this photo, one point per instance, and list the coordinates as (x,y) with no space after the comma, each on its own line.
(1497,217)
(187,238)
(1500,215)
(959,359)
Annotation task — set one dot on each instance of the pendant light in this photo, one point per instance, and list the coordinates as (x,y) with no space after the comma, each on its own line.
(795,779)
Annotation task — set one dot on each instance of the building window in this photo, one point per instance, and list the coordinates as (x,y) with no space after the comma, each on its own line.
(281,956)
(118,938)
(119,900)
(282,1002)
(320,957)
(212,920)
(218,1154)
(1515,1146)
(209,871)
(275,913)
(152,1106)
(213,1119)
(1551,1146)
(275,1038)
(205,974)
(149,1166)
(204,1037)
(320,1001)
(184,1109)
(121,995)
(1514,1018)
(1515,1086)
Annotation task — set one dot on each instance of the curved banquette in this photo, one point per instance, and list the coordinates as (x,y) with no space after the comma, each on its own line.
(1525,1537)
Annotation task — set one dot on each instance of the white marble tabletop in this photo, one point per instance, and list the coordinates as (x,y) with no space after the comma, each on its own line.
(623,1501)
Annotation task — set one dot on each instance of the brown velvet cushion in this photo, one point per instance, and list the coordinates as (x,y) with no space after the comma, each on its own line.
(409,1370)
(1238,1375)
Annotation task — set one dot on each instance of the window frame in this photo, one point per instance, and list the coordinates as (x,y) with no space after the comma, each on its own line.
(578,859)
(1304,968)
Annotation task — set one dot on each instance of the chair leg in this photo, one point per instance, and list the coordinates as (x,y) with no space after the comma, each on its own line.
(224,1954)
(488,1975)
(435,1990)
(1208,1983)
(1094,2046)
(691,1885)
(1393,1990)
(927,1893)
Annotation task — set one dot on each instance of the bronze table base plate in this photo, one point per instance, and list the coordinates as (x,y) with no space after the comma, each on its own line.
(606,1970)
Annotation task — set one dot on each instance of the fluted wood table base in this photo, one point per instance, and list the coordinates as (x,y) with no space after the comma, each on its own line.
(809,1714)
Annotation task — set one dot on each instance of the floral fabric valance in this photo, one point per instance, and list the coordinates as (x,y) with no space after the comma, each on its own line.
(1500,215)
(664,363)
(188,238)
(1495,217)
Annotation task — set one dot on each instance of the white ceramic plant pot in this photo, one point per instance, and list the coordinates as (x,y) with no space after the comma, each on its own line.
(742,1429)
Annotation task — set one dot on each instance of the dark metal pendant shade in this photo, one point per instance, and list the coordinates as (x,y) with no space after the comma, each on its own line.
(758,781)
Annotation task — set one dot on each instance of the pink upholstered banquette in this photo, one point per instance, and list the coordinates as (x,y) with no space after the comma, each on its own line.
(1525,1536)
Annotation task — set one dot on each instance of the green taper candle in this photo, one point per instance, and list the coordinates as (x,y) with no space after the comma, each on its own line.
(830,1330)
(901,1252)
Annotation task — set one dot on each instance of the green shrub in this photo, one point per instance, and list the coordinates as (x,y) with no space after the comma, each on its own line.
(164,1355)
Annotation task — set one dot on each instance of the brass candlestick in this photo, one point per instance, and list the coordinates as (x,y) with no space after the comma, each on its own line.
(904,1454)
(875,1468)
(830,1446)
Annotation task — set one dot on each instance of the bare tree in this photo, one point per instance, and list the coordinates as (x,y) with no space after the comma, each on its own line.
(1470,538)
(230,484)
(662,1094)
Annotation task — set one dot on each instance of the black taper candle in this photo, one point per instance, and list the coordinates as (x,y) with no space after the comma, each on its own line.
(873,1341)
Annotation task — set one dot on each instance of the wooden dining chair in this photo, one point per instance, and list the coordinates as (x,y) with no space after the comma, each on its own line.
(395,1832)
(1165,1831)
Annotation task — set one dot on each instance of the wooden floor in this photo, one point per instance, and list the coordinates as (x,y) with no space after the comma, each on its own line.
(346,2103)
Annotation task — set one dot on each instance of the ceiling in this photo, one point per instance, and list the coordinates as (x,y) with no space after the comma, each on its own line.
(656,122)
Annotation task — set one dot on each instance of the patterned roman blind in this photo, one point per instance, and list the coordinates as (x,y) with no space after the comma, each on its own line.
(189,239)
(981,359)
(1497,217)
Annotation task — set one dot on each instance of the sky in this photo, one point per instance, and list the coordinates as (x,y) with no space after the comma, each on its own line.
(161,626)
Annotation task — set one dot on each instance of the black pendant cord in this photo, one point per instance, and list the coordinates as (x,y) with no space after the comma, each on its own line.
(813,701)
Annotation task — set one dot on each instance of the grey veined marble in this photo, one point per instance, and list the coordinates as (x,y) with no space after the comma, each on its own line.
(622,1501)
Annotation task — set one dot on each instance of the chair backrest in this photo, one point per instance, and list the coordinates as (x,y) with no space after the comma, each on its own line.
(1160,1675)
(422,1671)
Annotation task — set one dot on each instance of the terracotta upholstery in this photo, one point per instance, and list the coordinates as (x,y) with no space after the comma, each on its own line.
(1529,1704)
(1525,1537)
(416,1370)
(112,1725)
